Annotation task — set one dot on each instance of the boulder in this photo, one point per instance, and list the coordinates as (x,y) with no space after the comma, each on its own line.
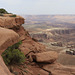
(45,57)
(7,38)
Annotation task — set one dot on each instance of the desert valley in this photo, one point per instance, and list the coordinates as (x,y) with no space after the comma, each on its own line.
(37,44)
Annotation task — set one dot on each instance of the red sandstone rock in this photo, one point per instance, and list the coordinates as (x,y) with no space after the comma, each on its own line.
(45,57)
(10,22)
(7,38)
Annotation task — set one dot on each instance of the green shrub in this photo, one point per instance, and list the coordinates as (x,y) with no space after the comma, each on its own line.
(15,46)
(3,11)
(1,14)
(13,55)
(13,15)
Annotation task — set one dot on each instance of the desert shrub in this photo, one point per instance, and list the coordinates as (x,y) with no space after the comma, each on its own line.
(15,46)
(13,15)
(13,55)
(3,11)
(1,14)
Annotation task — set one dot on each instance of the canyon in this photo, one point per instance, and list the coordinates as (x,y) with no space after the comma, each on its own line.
(40,59)
(56,32)
(51,28)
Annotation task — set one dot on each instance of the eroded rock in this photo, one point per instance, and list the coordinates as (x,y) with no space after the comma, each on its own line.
(45,57)
(7,38)
(10,22)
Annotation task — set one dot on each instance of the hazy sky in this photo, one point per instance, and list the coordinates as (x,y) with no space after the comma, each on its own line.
(39,6)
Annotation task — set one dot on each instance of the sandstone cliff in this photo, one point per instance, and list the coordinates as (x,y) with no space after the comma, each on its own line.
(11,32)
(7,38)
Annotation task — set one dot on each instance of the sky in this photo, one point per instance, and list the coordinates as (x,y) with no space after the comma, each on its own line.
(39,7)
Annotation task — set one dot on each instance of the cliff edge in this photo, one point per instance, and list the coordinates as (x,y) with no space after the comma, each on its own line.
(11,31)
(39,60)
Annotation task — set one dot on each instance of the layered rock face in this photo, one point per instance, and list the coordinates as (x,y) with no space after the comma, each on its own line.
(63,31)
(56,35)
